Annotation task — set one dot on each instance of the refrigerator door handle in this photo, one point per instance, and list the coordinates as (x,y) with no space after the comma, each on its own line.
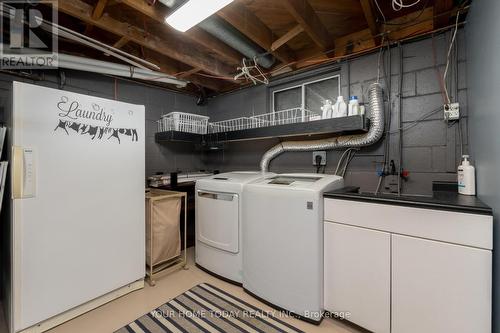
(23,173)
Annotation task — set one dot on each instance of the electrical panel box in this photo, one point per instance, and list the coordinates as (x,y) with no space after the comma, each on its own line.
(322,156)
(451,111)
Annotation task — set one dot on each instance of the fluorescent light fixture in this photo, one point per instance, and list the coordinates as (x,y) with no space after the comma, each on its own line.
(193,12)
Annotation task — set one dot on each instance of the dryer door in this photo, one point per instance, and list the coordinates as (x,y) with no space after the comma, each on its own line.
(218,219)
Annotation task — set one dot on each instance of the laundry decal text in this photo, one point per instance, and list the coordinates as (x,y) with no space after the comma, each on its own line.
(73,117)
(74,111)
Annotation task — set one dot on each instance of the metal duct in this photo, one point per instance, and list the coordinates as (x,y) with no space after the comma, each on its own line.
(226,33)
(376,102)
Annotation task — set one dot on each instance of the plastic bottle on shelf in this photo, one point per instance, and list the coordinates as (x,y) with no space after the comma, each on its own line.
(466,177)
(362,109)
(327,109)
(342,107)
(335,109)
(353,106)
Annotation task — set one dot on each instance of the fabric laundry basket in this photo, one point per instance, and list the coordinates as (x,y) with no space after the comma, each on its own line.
(163,237)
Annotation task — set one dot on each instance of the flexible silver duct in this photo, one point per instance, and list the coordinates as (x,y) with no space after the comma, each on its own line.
(226,33)
(376,102)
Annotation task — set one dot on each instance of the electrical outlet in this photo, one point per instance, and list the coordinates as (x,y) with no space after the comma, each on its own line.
(321,154)
(451,111)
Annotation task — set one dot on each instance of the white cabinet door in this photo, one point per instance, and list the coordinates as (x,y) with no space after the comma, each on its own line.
(439,287)
(357,275)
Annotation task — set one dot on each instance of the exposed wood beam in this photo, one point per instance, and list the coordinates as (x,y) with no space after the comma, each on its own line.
(189,72)
(88,29)
(251,26)
(205,82)
(369,12)
(422,24)
(195,34)
(121,42)
(169,45)
(170,68)
(286,37)
(99,9)
(362,41)
(305,15)
(440,8)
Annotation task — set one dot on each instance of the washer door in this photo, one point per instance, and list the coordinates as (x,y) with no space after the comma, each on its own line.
(218,219)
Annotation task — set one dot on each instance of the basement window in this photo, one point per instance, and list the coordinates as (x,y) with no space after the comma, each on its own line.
(310,95)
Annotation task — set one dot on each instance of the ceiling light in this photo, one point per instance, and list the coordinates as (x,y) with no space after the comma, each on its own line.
(193,12)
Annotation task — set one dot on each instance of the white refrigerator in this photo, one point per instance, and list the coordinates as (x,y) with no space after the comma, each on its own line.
(78,231)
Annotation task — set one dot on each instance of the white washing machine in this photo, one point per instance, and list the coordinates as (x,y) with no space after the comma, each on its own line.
(218,223)
(283,241)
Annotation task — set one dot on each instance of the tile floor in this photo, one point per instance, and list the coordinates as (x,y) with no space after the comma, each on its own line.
(120,312)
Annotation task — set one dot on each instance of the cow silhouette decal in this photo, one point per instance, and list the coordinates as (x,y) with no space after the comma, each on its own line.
(98,132)
(72,110)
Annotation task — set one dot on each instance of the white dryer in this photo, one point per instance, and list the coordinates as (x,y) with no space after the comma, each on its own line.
(283,241)
(218,223)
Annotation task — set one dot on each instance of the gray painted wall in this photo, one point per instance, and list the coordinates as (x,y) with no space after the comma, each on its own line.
(431,150)
(157,101)
(483,78)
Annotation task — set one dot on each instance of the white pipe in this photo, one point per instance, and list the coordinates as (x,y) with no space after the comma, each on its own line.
(88,41)
(104,67)
(98,43)
(100,48)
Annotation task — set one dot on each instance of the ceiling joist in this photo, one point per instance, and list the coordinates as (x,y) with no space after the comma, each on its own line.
(251,26)
(99,9)
(189,72)
(172,69)
(370,16)
(362,41)
(441,7)
(197,35)
(121,42)
(170,46)
(286,37)
(305,15)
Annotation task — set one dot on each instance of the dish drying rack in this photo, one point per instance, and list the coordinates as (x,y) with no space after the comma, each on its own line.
(284,117)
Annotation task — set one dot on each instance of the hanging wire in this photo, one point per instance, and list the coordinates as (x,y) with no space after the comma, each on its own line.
(448,56)
(424,7)
(349,159)
(397,5)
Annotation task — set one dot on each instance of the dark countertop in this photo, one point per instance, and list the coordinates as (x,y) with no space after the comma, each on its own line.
(441,200)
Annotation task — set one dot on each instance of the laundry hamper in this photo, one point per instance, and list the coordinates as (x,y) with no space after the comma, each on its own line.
(163,236)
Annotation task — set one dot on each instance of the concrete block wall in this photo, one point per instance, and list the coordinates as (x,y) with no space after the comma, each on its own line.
(159,158)
(431,148)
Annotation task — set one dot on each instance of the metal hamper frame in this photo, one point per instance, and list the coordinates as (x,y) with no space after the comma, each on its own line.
(177,262)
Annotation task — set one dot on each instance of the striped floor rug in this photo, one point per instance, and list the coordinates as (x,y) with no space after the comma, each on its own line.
(206,308)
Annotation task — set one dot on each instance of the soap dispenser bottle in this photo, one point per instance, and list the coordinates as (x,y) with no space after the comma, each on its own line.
(466,177)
